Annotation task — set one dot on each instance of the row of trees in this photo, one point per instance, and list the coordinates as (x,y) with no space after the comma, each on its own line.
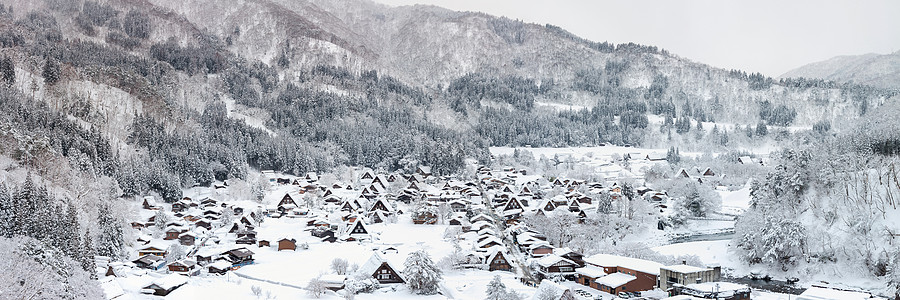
(471,89)
(31,211)
(32,270)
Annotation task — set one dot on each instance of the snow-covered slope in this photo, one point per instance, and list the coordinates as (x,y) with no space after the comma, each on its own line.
(877,70)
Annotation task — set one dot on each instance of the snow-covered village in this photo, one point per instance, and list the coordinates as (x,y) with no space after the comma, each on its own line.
(448,149)
(498,232)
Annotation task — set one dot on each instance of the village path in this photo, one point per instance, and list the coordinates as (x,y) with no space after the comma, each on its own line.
(516,257)
(268,281)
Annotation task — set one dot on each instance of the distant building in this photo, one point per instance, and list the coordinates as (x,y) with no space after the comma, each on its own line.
(684,274)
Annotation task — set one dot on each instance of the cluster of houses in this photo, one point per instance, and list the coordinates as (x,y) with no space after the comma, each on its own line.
(197,232)
(700,175)
(489,252)
(627,277)
(191,225)
(488,211)
(513,194)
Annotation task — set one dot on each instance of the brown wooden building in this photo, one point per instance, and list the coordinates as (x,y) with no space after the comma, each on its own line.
(497,261)
(381,269)
(624,273)
(287,244)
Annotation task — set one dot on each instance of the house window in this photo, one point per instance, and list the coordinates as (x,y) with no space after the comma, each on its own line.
(384,276)
(566,269)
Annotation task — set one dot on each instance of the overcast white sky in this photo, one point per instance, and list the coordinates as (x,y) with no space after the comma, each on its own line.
(767,36)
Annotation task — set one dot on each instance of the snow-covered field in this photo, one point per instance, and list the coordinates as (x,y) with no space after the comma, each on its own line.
(735,202)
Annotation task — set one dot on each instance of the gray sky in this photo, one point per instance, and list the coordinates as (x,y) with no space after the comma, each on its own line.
(766,36)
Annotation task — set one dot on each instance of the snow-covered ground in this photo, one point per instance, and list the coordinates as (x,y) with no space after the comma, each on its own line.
(560,106)
(242,113)
(735,202)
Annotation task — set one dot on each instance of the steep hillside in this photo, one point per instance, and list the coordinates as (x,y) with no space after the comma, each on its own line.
(877,70)
(430,47)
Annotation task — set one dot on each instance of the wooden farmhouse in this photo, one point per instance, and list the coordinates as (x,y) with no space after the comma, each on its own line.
(380,269)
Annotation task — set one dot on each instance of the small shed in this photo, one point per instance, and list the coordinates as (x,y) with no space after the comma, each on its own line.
(287,244)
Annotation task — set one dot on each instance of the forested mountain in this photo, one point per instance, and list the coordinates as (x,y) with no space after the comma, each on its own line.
(878,70)
(431,47)
(107,99)
(187,92)
(191,91)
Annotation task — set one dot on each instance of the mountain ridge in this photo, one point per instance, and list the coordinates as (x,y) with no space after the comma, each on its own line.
(878,70)
(429,46)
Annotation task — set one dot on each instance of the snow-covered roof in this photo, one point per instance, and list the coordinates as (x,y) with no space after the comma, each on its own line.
(241,252)
(185,262)
(458,201)
(487,231)
(512,212)
(615,280)
(493,253)
(563,251)
(822,293)
(479,216)
(488,241)
(221,265)
(333,278)
(684,268)
(656,156)
(540,244)
(527,240)
(608,260)
(552,259)
(591,271)
(155,244)
(111,288)
(145,238)
(357,222)
(210,251)
(480,224)
(374,262)
(170,281)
